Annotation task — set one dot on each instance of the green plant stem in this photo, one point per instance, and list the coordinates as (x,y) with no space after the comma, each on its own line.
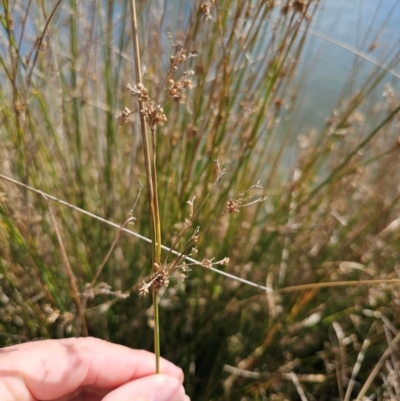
(157,222)
(151,185)
(156,329)
(156,244)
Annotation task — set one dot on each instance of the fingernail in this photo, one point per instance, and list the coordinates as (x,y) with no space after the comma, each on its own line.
(169,391)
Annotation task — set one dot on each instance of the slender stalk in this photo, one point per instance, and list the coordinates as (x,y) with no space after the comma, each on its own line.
(151,185)
(157,222)
(156,331)
(71,278)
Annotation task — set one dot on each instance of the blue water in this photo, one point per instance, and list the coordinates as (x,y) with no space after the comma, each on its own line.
(369,27)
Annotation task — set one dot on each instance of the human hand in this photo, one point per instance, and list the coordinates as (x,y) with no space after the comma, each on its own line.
(85,369)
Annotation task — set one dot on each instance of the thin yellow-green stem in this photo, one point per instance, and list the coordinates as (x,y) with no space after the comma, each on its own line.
(156,245)
(156,329)
(157,222)
(151,184)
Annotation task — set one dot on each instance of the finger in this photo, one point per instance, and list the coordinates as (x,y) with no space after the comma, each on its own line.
(151,388)
(52,368)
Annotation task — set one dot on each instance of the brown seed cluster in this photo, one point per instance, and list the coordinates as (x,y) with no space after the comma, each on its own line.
(298,6)
(207,263)
(123,116)
(162,273)
(232,207)
(224,262)
(176,88)
(178,58)
(154,113)
(158,279)
(152,110)
(206,7)
(138,90)
(243,199)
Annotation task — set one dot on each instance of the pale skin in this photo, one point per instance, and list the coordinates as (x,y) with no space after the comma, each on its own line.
(85,369)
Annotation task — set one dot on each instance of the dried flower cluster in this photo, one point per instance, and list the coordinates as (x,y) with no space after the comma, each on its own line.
(178,58)
(151,109)
(176,88)
(208,263)
(139,91)
(206,7)
(123,116)
(154,113)
(298,6)
(158,279)
(239,200)
(162,273)
(232,207)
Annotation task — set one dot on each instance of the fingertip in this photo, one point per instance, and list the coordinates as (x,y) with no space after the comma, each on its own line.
(158,387)
(179,374)
(170,390)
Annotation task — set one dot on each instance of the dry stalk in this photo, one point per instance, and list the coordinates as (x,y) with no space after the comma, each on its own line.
(377,368)
(71,278)
(151,181)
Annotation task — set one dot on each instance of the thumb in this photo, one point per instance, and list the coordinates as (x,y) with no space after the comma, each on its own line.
(150,388)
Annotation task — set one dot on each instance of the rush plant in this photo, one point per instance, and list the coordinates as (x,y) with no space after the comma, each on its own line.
(208,110)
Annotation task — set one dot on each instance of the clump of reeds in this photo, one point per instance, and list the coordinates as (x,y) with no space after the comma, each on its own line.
(330,222)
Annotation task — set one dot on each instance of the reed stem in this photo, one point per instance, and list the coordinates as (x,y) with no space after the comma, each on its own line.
(151,179)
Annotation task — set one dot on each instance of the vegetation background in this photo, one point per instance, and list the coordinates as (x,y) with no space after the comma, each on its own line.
(332,213)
